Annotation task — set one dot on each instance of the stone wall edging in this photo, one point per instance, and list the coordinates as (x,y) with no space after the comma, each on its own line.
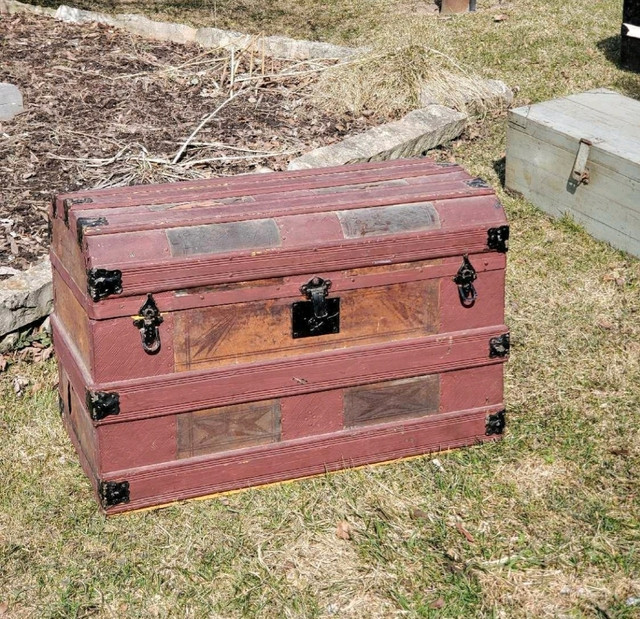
(272,46)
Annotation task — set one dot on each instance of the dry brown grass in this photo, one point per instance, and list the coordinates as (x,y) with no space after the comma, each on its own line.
(388,82)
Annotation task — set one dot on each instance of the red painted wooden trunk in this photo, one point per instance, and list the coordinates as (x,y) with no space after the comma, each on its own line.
(220,334)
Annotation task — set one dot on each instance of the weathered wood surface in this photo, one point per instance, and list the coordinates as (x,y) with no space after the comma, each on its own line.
(232,398)
(253,428)
(244,324)
(542,145)
(176,481)
(175,393)
(235,230)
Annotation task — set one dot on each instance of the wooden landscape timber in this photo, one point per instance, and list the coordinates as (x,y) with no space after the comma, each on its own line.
(191,363)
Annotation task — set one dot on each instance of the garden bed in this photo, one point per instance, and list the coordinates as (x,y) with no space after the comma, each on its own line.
(106,108)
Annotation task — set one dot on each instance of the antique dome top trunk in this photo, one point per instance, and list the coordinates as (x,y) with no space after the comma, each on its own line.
(221,334)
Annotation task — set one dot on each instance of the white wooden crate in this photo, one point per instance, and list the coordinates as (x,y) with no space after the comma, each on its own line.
(580,155)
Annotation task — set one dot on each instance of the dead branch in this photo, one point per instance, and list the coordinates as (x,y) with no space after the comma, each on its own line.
(204,122)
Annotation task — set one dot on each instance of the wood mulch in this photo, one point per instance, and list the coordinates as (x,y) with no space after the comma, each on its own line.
(106,108)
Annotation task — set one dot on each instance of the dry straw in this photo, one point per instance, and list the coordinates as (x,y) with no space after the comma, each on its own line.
(389,81)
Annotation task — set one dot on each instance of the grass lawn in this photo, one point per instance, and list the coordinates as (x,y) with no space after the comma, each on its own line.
(545,523)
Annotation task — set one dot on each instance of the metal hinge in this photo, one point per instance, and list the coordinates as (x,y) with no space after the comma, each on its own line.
(319,315)
(148,320)
(499,346)
(69,202)
(88,222)
(464,280)
(113,493)
(498,239)
(103,282)
(100,404)
(495,423)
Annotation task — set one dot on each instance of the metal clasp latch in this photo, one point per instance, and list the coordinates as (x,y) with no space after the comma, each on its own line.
(580,173)
(464,280)
(318,316)
(148,321)
(316,291)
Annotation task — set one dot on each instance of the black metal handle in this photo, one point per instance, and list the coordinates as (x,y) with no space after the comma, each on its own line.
(467,294)
(148,322)
(464,279)
(150,336)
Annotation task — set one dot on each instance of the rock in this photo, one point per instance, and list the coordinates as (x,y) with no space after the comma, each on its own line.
(10,101)
(280,47)
(25,296)
(78,16)
(416,133)
(164,31)
(488,94)
(13,7)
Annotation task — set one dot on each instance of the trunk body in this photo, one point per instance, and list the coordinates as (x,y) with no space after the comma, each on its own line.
(215,335)
(580,155)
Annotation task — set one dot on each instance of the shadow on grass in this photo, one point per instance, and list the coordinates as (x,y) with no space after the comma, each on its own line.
(610,48)
(499,167)
(629,82)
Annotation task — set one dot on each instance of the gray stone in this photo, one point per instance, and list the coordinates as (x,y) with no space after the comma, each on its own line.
(25,296)
(280,47)
(78,16)
(9,341)
(486,94)
(13,7)
(163,31)
(416,133)
(10,101)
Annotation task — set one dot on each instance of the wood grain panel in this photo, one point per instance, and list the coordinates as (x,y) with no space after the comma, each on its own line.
(391,400)
(229,427)
(65,246)
(311,414)
(73,317)
(217,336)
(303,457)
(77,418)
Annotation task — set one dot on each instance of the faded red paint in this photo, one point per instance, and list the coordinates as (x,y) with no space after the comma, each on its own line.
(405,375)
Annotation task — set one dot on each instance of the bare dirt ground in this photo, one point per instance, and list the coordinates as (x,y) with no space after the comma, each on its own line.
(108,108)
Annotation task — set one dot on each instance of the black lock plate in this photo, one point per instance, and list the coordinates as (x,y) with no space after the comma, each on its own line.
(304,322)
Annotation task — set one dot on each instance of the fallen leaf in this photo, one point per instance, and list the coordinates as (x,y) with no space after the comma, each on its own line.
(464,532)
(439,603)
(500,17)
(619,451)
(605,324)
(343,530)
(3,607)
(418,514)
